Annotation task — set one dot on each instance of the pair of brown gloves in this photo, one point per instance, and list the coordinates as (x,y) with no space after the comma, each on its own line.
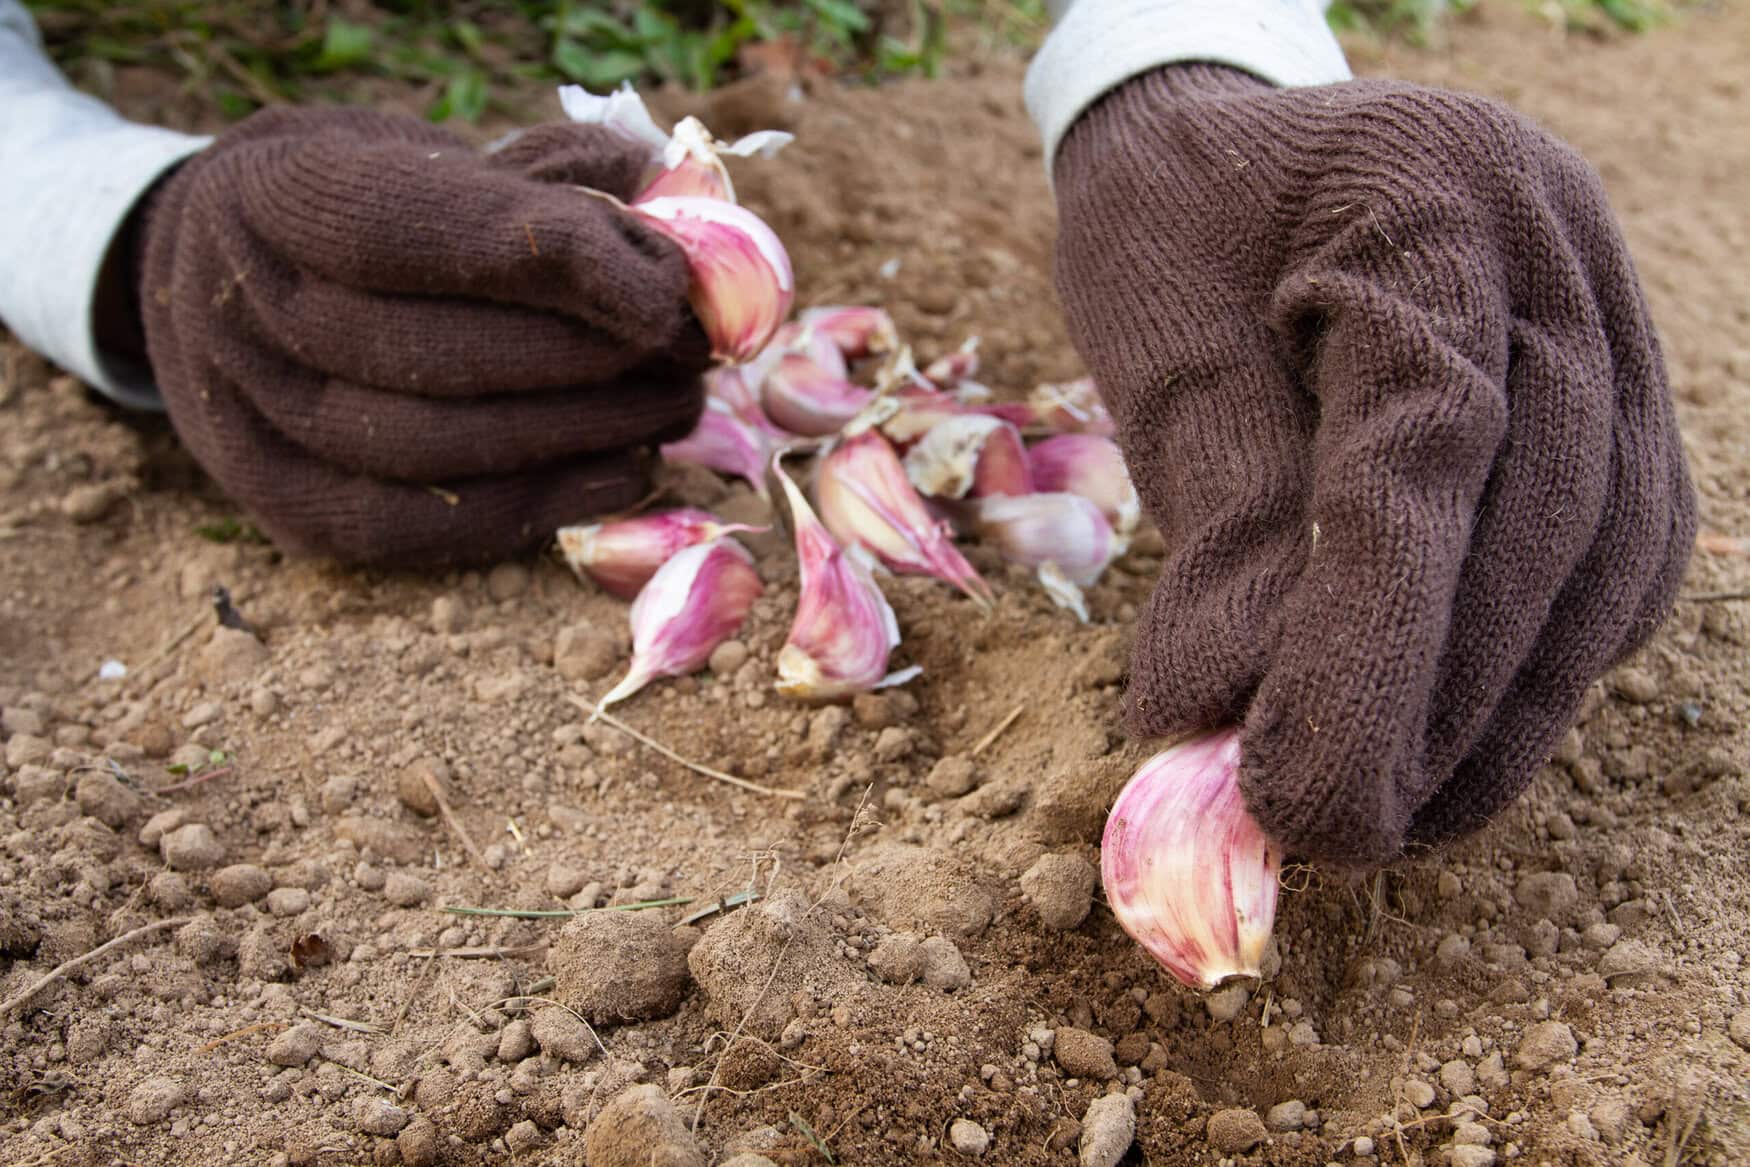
(1381,367)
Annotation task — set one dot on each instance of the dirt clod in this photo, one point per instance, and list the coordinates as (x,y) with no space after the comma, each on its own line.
(968,1138)
(619,966)
(639,1128)
(1084,1055)
(1545,1044)
(192,847)
(295,1046)
(239,884)
(1236,1131)
(560,1034)
(375,1115)
(152,1099)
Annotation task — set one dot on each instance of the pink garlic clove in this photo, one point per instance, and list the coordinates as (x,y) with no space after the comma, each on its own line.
(622,555)
(1186,869)
(1063,537)
(1091,466)
(844,629)
(694,602)
(970,454)
(857,331)
(725,442)
(686,163)
(1072,407)
(742,284)
(866,500)
(810,400)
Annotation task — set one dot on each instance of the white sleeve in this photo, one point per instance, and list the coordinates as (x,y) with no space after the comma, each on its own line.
(1098,45)
(71,170)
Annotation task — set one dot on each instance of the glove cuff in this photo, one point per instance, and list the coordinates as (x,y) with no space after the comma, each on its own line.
(1100,44)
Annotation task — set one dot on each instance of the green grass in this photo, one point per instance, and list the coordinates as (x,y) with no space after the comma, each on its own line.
(461,55)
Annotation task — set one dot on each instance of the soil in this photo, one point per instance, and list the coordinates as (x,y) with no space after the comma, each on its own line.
(1567,987)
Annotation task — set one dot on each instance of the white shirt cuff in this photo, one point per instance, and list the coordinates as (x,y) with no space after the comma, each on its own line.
(1100,44)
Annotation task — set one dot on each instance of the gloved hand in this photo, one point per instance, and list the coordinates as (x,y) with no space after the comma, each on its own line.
(1385,379)
(392,349)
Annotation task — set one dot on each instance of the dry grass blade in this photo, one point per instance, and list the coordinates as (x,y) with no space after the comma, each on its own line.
(696,767)
(985,741)
(476,951)
(455,824)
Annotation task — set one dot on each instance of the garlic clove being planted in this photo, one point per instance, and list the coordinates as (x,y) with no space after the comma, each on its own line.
(622,555)
(1072,407)
(692,604)
(1063,537)
(730,444)
(804,397)
(742,284)
(969,454)
(692,161)
(1091,466)
(687,162)
(844,629)
(866,499)
(1188,872)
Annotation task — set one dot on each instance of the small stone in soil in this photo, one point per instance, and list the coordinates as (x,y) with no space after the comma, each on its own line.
(193,847)
(1227,1002)
(968,1138)
(405,891)
(561,1035)
(152,1100)
(1108,1128)
(1061,889)
(239,884)
(295,1046)
(1286,1116)
(943,966)
(1545,1044)
(378,1116)
(288,901)
(1081,1054)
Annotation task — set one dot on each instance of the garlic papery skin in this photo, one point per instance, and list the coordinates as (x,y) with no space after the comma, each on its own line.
(857,330)
(803,397)
(685,163)
(692,604)
(742,285)
(1187,871)
(844,629)
(1091,466)
(1072,407)
(918,409)
(728,443)
(970,454)
(1063,537)
(866,500)
(621,556)
(729,384)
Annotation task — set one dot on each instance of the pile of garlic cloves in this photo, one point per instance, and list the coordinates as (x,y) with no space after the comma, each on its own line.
(906,460)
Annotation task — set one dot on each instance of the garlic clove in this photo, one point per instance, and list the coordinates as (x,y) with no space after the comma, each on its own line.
(866,500)
(742,284)
(728,443)
(1091,466)
(1063,537)
(1186,869)
(621,556)
(801,396)
(692,604)
(969,454)
(692,162)
(1072,407)
(844,629)
(856,330)
(951,370)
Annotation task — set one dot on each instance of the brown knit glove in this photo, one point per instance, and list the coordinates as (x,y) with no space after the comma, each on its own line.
(394,350)
(1385,378)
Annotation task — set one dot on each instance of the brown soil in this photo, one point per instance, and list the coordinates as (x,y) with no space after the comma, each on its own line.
(1577,971)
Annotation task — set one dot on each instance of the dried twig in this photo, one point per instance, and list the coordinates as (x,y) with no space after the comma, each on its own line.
(341,1022)
(65,967)
(985,741)
(566,913)
(696,767)
(443,805)
(199,777)
(258,1027)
